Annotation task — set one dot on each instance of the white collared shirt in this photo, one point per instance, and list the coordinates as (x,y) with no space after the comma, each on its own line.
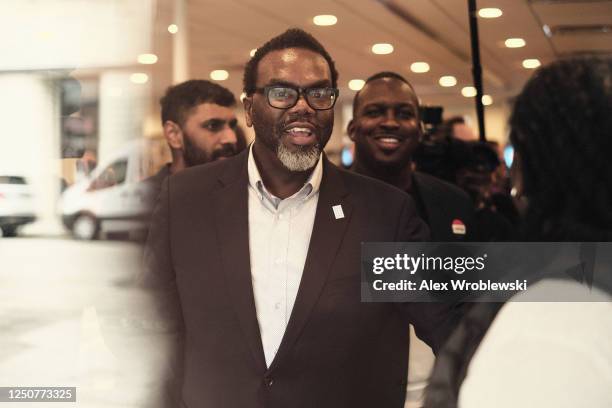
(279,236)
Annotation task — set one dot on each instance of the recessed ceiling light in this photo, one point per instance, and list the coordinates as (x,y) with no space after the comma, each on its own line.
(468,91)
(325,20)
(147,59)
(490,12)
(487,100)
(531,63)
(173,29)
(514,43)
(447,81)
(356,84)
(139,78)
(419,67)
(382,48)
(219,75)
(252,52)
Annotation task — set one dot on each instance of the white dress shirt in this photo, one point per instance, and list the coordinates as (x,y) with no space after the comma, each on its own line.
(279,236)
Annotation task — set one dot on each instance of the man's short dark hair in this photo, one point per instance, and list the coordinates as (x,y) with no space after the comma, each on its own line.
(181,98)
(381,75)
(292,38)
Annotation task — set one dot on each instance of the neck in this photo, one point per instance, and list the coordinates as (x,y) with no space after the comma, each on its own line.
(178,164)
(278,180)
(400,177)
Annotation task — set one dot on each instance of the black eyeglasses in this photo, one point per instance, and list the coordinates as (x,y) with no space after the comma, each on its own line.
(285,97)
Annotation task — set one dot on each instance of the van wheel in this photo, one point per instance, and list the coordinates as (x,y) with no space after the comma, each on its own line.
(9,231)
(85,227)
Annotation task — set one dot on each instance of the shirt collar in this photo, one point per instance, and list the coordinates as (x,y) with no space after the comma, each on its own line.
(311,186)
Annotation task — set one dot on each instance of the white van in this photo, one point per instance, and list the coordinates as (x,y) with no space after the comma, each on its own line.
(113,198)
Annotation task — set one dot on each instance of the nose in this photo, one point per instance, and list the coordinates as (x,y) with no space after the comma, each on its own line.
(302,107)
(228,136)
(389,120)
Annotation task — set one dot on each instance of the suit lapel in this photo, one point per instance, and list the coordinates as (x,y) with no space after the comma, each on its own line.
(231,222)
(327,234)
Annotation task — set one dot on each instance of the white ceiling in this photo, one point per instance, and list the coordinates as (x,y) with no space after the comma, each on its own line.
(222,32)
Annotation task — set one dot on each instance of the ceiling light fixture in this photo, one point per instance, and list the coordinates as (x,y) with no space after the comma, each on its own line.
(139,78)
(356,84)
(514,43)
(468,91)
(447,81)
(173,29)
(325,20)
(490,12)
(147,59)
(531,63)
(382,48)
(419,67)
(219,75)
(487,100)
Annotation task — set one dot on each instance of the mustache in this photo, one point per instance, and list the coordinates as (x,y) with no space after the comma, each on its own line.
(226,150)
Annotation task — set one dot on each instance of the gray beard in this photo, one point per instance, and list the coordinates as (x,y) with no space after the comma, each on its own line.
(301,160)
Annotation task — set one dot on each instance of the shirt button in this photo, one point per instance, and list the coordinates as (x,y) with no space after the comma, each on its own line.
(277,305)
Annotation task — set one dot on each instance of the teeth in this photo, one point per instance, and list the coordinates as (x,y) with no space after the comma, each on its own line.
(300,130)
(388,140)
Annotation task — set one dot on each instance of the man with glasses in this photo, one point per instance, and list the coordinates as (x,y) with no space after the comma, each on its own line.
(260,256)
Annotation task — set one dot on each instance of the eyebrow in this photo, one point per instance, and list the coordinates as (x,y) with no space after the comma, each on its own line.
(282,82)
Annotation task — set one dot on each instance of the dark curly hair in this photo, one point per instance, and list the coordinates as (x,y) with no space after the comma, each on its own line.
(292,38)
(562,131)
(181,98)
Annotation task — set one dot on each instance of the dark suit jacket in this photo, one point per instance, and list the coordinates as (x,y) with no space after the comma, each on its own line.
(442,204)
(336,352)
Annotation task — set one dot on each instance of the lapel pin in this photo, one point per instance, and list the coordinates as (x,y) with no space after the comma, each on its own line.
(338,213)
(458,227)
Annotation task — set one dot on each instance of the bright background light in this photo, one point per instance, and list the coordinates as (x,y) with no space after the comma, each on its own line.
(487,100)
(447,81)
(382,48)
(490,12)
(219,75)
(468,91)
(419,67)
(514,43)
(356,84)
(325,20)
(139,78)
(173,29)
(252,52)
(531,63)
(147,58)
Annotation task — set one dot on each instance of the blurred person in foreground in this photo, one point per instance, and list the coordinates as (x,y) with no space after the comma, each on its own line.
(386,129)
(199,124)
(547,354)
(257,257)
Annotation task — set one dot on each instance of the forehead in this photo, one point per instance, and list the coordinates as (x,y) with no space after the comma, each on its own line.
(296,65)
(207,110)
(387,91)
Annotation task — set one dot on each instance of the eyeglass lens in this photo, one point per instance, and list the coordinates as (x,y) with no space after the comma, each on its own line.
(317,98)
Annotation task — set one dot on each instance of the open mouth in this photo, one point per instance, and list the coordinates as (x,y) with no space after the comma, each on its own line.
(388,142)
(301,135)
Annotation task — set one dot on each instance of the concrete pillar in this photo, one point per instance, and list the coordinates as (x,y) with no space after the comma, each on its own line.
(30,142)
(180,43)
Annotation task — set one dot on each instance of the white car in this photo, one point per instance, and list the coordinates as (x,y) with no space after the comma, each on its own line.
(113,199)
(16,204)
